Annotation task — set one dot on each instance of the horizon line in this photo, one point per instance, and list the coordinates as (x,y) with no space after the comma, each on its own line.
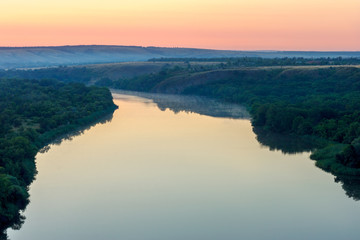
(198,48)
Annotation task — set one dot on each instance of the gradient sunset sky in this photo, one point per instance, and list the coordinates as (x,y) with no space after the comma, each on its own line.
(225,24)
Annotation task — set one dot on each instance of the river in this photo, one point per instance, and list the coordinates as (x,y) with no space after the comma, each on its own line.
(181,170)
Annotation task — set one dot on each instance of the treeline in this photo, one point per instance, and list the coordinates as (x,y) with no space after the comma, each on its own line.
(258,61)
(307,100)
(86,74)
(102,73)
(322,102)
(63,73)
(33,113)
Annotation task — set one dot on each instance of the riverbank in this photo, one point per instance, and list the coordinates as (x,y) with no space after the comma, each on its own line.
(33,114)
(300,101)
(326,159)
(154,166)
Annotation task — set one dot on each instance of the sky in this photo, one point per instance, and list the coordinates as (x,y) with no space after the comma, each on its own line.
(324,25)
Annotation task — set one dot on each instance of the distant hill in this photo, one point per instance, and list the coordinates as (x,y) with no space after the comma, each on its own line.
(33,57)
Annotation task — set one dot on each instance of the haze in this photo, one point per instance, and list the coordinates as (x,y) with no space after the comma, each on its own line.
(228,24)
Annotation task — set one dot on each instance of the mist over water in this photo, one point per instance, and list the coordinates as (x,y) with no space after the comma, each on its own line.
(159,170)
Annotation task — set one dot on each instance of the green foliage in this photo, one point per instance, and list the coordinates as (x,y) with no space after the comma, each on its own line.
(13,196)
(258,61)
(146,83)
(299,101)
(65,74)
(350,156)
(326,159)
(33,113)
(319,101)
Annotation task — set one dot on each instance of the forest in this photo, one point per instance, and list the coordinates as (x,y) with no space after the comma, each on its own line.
(298,96)
(116,71)
(308,101)
(32,114)
(259,61)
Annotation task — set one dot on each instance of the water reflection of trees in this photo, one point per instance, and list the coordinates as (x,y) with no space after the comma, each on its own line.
(78,132)
(20,218)
(291,145)
(193,104)
(351,185)
(202,106)
(287,144)
(16,225)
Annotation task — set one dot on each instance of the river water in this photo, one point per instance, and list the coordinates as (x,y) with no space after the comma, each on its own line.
(179,169)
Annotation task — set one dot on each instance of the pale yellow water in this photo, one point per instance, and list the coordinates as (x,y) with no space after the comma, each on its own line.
(155,175)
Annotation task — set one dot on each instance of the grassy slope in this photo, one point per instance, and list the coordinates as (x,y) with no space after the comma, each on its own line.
(179,82)
(22,57)
(298,86)
(235,84)
(102,73)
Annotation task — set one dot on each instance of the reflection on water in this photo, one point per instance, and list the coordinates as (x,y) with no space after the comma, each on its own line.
(287,144)
(17,224)
(293,145)
(191,104)
(151,174)
(78,132)
(351,185)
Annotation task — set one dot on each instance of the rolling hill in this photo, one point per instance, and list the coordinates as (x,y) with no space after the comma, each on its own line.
(34,57)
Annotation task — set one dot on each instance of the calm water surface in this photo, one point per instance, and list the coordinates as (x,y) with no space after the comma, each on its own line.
(151,174)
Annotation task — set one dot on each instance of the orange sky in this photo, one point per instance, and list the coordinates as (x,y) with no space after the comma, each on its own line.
(226,24)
